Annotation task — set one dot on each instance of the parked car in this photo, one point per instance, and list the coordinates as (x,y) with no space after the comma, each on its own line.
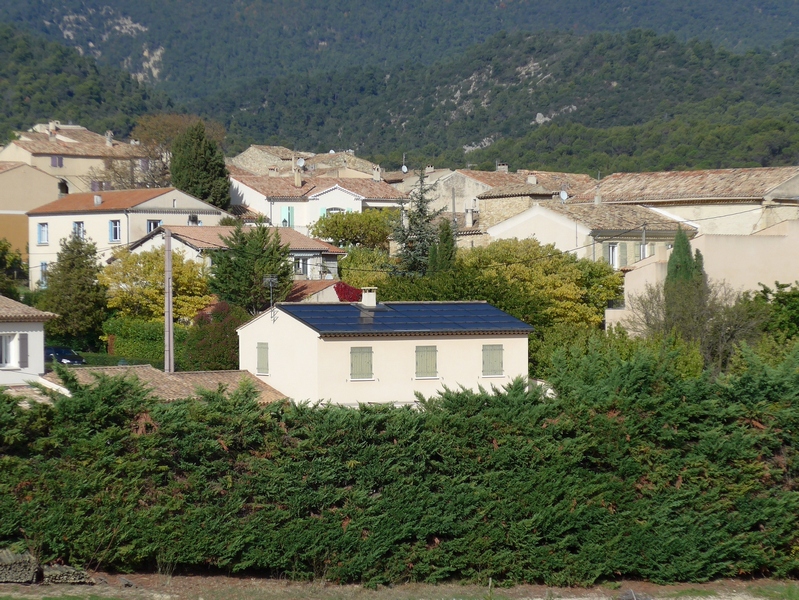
(66,356)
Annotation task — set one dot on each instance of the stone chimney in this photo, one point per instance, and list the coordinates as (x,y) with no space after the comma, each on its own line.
(597,196)
(297,178)
(469,217)
(429,169)
(376,173)
(502,167)
(369,297)
(98,199)
(109,136)
(532,179)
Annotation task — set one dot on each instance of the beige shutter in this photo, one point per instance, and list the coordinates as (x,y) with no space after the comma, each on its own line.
(262,367)
(492,359)
(636,252)
(361,362)
(606,252)
(623,254)
(426,361)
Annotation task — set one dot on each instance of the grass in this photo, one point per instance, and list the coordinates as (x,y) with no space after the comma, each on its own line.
(777,591)
(692,593)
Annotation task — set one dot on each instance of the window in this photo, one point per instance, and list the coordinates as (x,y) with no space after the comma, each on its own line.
(144,164)
(262,359)
(153,224)
(78,229)
(42,234)
(5,350)
(287,216)
(361,363)
(613,255)
(43,274)
(492,360)
(115,230)
(426,362)
(300,266)
(57,162)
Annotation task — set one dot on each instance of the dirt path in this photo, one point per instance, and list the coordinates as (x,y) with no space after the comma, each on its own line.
(197,587)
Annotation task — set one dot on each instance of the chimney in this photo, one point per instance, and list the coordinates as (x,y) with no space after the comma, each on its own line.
(597,196)
(469,217)
(109,135)
(429,169)
(297,178)
(369,297)
(532,179)
(376,173)
(98,199)
(502,167)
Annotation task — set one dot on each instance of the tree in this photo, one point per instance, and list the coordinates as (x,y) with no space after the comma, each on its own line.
(685,292)
(442,254)
(368,229)
(238,273)
(414,231)
(212,343)
(73,292)
(135,283)
(365,267)
(198,167)
(12,270)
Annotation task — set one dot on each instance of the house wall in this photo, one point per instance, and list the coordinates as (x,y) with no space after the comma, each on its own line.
(547,227)
(17,375)
(496,210)
(22,189)
(719,219)
(466,192)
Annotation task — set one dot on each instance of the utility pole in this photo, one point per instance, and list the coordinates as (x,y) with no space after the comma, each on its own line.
(169,338)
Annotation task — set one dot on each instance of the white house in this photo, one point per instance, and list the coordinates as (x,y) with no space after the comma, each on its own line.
(71,153)
(110,219)
(312,258)
(361,353)
(21,342)
(298,203)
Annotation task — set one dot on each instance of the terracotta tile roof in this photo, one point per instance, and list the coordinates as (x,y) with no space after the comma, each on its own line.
(283,187)
(174,386)
(301,290)
(210,238)
(76,142)
(665,186)
(12,311)
(245,213)
(7,166)
(341,159)
(368,188)
(112,201)
(282,152)
(516,189)
(616,217)
(272,187)
(572,183)
(494,178)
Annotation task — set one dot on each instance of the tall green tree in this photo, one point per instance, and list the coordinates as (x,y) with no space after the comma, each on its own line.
(212,342)
(442,254)
(198,167)
(12,270)
(414,229)
(73,292)
(238,274)
(685,291)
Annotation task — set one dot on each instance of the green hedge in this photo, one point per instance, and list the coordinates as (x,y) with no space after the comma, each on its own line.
(142,340)
(633,471)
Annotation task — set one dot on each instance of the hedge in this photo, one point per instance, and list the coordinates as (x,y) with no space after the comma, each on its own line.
(633,471)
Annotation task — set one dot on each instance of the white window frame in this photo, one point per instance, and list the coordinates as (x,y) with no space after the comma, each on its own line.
(42,234)
(301,265)
(115,231)
(423,354)
(153,224)
(43,274)
(613,254)
(362,351)
(6,353)
(79,229)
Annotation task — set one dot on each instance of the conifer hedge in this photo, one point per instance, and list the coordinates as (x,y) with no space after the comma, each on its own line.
(634,470)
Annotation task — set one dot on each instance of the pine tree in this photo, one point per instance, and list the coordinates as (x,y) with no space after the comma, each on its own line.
(198,167)
(238,273)
(442,254)
(414,231)
(75,295)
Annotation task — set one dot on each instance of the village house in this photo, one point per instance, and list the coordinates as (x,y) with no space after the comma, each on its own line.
(72,154)
(367,352)
(110,219)
(312,259)
(298,202)
(21,342)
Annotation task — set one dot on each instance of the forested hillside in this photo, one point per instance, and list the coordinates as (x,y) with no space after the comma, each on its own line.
(600,102)
(40,81)
(200,46)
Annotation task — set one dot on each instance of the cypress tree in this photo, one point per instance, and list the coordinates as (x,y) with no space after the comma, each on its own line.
(198,167)
(685,291)
(414,231)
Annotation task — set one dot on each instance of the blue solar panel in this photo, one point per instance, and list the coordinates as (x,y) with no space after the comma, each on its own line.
(405,317)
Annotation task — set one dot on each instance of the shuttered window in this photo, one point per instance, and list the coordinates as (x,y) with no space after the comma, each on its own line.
(361,363)
(262,357)
(492,359)
(426,361)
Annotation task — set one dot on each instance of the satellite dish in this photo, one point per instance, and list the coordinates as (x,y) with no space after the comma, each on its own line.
(404,169)
(301,162)
(563,196)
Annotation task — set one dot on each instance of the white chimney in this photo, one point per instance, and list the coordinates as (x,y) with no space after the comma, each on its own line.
(376,173)
(597,196)
(469,217)
(532,179)
(429,169)
(98,199)
(297,178)
(502,167)
(369,297)
(109,135)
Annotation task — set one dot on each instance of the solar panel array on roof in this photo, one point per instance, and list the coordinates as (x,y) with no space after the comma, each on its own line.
(393,318)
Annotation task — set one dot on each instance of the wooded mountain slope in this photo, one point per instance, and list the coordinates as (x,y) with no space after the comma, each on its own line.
(200,46)
(620,96)
(41,81)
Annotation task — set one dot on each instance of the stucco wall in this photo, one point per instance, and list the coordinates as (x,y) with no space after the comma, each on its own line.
(466,192)
(547,227)
(35,331)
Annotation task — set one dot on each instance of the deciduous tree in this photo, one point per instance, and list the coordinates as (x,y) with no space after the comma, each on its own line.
(212,342)
(238,274)
(368,229)
(12,270)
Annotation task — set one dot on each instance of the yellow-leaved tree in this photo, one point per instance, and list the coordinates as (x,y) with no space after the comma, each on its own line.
(135,283)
